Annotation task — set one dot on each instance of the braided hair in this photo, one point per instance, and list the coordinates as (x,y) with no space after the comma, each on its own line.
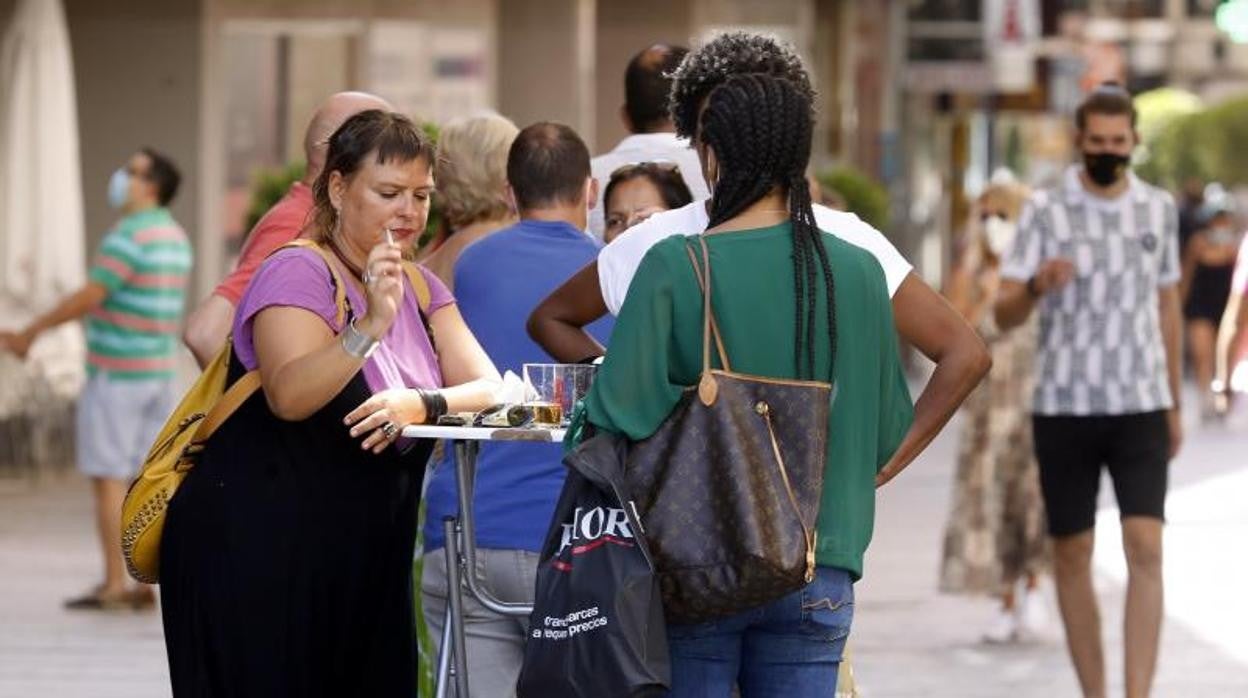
(759,127)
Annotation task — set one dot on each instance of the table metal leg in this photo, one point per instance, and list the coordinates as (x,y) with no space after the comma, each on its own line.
(455,605)
(466,480)
(446,669)
(461,563)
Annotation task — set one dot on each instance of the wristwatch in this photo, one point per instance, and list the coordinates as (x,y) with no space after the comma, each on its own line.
(356,343)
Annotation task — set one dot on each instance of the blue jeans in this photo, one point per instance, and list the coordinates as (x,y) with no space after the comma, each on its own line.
(790,647)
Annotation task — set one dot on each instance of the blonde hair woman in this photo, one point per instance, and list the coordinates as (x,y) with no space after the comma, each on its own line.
(996,532)
(471,172)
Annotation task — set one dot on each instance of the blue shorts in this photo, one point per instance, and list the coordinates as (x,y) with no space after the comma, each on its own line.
(118,419)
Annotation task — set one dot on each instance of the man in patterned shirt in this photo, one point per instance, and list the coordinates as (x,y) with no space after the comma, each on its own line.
(1098,255)
(133,303)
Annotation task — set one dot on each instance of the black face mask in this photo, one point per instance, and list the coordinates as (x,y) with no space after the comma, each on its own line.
(1105,168)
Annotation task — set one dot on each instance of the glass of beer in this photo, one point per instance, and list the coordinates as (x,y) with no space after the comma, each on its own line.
(556,388)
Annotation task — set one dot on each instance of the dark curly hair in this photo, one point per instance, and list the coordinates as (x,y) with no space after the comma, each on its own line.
(759,127)
(726,55)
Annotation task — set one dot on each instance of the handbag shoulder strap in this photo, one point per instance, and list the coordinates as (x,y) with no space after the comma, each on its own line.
(249,382)
(424,298)
(230,401)
(340,289)
(424,295)
(709,325)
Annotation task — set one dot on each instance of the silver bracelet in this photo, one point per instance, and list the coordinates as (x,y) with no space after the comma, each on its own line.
(356,343)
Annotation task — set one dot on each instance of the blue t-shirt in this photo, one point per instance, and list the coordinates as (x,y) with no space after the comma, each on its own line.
(499,280)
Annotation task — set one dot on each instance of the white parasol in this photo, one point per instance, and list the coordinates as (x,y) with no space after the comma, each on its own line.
(41,222)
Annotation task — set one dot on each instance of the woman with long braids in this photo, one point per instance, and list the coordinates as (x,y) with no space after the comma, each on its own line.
(792,302)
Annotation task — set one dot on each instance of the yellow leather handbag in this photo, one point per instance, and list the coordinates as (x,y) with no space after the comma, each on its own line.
(203,409)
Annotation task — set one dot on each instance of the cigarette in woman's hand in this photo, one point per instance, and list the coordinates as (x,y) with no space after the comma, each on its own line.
(389,236)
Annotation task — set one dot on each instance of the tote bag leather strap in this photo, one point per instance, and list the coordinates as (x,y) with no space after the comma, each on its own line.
(709,326)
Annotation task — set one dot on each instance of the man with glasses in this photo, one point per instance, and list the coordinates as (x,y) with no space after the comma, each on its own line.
(133,303)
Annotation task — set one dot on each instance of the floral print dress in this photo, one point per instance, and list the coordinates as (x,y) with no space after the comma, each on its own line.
(996,532)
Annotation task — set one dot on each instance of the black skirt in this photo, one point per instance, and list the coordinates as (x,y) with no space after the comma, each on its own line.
(286,560)
(1210,292)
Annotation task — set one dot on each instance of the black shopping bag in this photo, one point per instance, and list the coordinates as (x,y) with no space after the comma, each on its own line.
(597,625)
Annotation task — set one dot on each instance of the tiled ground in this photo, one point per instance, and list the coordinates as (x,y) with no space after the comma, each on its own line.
(908,640)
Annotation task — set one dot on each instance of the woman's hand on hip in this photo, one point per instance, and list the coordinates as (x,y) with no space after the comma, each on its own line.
(380,419)
(383,286)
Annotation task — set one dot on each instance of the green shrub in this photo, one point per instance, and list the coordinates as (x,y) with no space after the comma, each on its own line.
(435,208)
(863,196)
(268,186)
(1206,145)
(426,649)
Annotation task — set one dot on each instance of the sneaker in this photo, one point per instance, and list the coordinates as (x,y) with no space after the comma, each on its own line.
(1033,615)
(1003,630)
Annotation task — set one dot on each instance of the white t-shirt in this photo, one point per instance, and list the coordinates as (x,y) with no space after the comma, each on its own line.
(618,262)
(644,147)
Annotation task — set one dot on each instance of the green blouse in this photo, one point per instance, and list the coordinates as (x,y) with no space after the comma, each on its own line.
(656,351)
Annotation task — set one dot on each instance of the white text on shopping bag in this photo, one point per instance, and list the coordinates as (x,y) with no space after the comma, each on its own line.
(592,524)
(574,623)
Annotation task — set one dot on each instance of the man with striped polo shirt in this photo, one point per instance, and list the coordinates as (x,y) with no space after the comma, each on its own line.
(133,304)
(1098,256)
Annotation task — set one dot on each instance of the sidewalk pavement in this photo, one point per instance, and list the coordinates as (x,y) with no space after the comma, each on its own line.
(908,640)
(911,641)
(48,552)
